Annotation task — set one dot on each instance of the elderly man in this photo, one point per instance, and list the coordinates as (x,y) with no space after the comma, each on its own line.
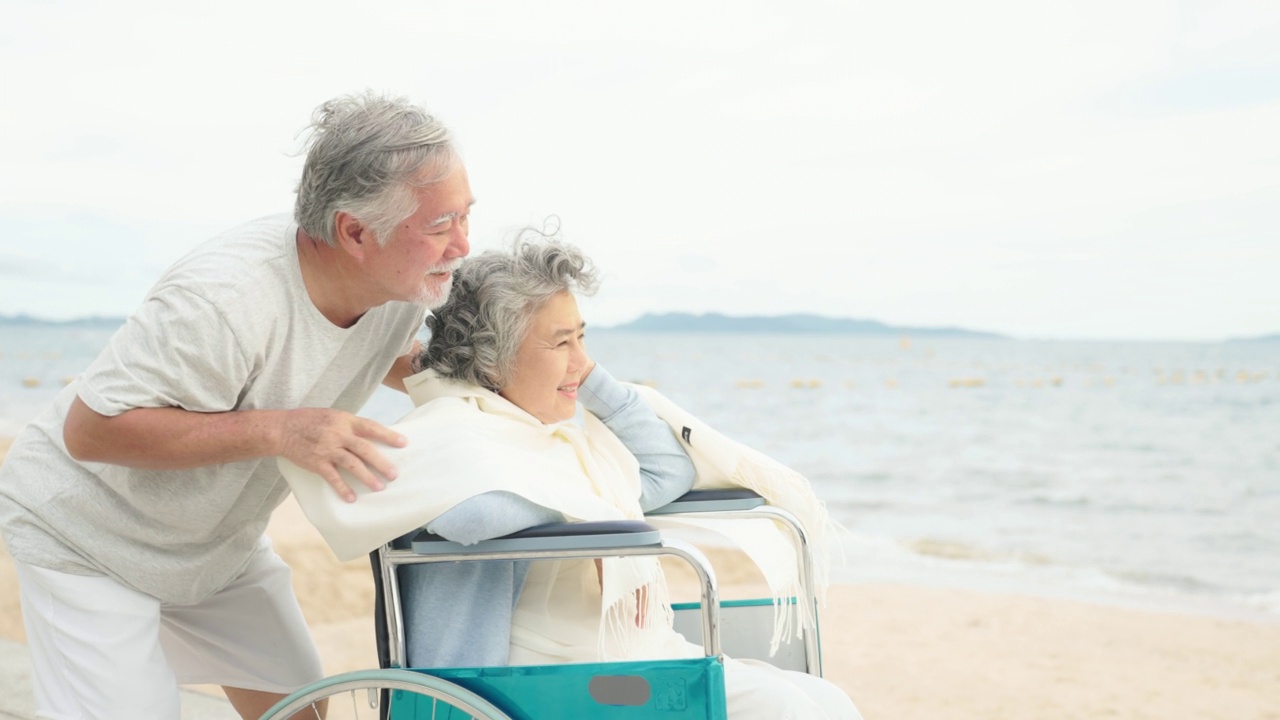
(135,507)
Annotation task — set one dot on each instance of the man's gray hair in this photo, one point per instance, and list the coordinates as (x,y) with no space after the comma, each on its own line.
(476,333)
(367,153)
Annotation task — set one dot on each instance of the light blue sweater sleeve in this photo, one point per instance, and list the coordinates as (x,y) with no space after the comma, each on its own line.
(666,472)
(490,515)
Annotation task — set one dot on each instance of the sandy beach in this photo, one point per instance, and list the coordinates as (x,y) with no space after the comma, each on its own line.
(910,653)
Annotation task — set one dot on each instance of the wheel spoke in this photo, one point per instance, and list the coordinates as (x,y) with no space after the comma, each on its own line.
(442,693)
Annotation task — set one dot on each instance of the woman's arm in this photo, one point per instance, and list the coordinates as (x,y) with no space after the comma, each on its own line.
(666,472)
(490,515)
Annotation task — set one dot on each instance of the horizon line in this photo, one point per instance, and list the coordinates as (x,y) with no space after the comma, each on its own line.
(890,329)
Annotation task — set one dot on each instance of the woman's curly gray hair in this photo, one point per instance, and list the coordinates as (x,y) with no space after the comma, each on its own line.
(476,333)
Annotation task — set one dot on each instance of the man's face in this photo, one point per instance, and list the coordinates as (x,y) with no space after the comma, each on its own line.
(550,362)
(416,264)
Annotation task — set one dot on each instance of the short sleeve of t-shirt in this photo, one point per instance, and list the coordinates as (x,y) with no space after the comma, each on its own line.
(177,350)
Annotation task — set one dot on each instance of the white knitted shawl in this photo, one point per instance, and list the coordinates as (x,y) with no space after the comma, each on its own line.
(464,441)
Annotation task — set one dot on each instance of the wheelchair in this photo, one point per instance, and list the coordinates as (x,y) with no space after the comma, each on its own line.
(677,689)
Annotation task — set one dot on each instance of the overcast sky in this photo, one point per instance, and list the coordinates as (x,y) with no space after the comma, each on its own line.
(1043,169)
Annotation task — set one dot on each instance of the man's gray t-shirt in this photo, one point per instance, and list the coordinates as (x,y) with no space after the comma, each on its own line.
(228,327)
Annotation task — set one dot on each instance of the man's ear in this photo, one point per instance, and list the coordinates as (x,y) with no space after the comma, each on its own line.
(352,236)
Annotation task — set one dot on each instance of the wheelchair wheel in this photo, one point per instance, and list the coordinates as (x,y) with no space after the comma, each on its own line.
(365,695)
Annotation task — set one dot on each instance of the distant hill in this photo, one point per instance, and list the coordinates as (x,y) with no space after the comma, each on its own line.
(93,321)
(715,322)
(1263,338)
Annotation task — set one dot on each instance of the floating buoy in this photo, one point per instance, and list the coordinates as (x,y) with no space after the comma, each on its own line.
(749,384)
(890,383)
(30,382)
(800,383)
(68,379)
(967,382)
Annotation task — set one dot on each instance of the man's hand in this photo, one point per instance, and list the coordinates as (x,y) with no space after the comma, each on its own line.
(322,441)
(327,441)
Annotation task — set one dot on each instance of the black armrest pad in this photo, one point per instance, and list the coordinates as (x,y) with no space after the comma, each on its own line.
(553,536)
(569,529)
(720,494)
(719,500)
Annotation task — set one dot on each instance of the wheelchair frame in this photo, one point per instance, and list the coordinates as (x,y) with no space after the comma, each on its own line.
(559,541)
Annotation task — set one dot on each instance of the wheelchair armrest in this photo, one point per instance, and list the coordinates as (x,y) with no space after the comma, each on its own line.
(555,541)
(552,536)
(720,500)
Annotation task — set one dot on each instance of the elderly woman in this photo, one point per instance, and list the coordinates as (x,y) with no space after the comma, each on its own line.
(497,445)
(510,342)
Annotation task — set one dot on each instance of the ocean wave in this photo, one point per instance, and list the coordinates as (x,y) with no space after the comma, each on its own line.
(1170,581)
(948,563)
(1153,506)
(1056,500)
(1083,575)
(955,550)
(1267,602)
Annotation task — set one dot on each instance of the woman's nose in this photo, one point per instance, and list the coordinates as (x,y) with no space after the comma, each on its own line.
(577,357)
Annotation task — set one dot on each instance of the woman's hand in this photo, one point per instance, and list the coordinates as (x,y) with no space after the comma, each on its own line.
(642,597)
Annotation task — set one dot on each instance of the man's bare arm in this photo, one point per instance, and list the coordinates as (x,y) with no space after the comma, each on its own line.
(320,440)
(402,369)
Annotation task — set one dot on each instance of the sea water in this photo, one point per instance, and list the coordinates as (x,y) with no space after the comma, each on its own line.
(1134,473)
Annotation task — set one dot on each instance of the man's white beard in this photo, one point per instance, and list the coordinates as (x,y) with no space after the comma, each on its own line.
(435,295)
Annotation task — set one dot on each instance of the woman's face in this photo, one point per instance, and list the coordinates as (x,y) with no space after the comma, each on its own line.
(550,362)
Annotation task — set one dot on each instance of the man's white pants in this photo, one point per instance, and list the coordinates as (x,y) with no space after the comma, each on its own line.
(102,650)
